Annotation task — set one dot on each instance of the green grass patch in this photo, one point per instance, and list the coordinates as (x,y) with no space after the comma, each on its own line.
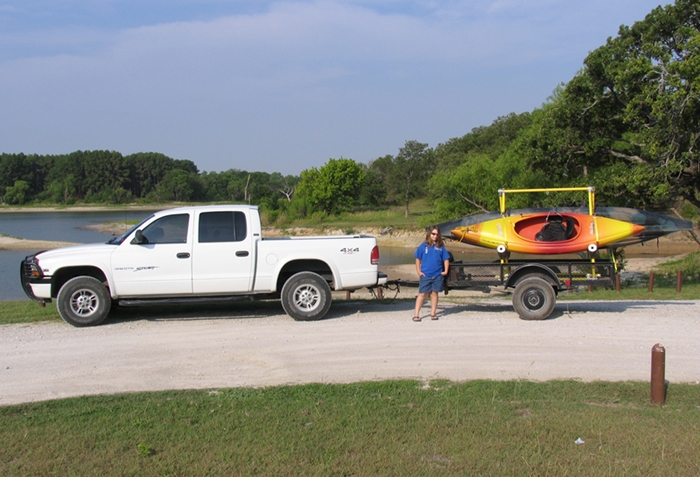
(508,428)
(26,312)
(689,265)
(638,291)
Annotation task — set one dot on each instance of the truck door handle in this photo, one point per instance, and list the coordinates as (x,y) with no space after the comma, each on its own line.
(242,253)
(183,255)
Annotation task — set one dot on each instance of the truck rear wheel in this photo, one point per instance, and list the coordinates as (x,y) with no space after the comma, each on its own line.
(83,301)
(534,298)
(306,296)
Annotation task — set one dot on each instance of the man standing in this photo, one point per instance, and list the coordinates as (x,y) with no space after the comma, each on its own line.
(432,265)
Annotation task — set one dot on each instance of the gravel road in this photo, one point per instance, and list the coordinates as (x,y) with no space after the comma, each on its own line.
(358,341)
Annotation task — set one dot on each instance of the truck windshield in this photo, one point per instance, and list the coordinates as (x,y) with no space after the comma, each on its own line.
(117,240)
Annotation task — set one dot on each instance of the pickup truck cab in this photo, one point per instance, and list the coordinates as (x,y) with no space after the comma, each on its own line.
(200,254)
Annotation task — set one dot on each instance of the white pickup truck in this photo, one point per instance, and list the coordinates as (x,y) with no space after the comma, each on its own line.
(200,254)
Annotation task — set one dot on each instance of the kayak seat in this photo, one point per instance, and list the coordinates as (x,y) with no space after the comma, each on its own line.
(557,229)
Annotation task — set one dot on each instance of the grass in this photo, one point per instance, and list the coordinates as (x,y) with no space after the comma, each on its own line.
(689,291)
(665,281)
(26,312)
(689,265)
(508,428)
(12,312)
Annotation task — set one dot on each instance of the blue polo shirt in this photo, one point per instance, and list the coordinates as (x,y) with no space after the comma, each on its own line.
(431,259)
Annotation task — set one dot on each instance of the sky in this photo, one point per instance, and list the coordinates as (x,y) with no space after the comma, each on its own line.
(283,86)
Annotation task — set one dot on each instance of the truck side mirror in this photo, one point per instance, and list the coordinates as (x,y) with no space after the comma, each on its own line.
(139,238)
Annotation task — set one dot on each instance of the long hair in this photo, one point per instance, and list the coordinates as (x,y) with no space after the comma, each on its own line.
(436,240)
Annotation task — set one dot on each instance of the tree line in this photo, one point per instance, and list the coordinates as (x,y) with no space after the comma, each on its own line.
(627,123)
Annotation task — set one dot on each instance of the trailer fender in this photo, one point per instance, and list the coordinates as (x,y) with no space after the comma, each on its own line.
(530,269)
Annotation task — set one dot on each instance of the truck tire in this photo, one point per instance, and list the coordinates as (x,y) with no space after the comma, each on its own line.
(306,296)
(534,298)
(83,301)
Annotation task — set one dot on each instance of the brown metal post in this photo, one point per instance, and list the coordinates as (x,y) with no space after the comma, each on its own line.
(651,281)
(380,292)
(679,281)
(617,282)
(658,374)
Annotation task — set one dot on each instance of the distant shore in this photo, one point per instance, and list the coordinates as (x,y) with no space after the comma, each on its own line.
(14,243)
(86,208)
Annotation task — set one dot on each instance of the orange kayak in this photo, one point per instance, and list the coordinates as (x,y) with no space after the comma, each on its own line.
(546,232)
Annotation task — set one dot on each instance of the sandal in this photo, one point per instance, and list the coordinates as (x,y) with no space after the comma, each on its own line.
(433,317)
(416,318)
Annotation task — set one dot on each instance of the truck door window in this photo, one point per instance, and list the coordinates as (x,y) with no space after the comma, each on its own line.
(222,227)
(170,229)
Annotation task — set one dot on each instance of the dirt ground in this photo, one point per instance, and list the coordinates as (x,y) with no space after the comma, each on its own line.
(358,341)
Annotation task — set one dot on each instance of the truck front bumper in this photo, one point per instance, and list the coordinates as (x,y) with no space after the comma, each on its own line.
(35,285)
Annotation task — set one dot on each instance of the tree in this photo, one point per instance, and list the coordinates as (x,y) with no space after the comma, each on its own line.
(104,172)
(376,188)
(633,110)
(19,167)
(285,185)
(147,170)
(490,140)
(413,165)
(473,186)
(176,185)
(62,190)
(17,194)
(333,188)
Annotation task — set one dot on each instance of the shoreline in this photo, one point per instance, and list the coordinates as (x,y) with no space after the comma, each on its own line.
(85,208)
(14,243)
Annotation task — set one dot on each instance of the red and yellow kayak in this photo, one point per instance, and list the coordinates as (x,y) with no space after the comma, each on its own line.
(546,233)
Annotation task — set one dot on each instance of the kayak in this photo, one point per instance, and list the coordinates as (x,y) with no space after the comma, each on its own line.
(564,230)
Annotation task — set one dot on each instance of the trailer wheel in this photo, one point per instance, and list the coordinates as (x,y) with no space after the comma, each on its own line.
(534,298)
(306,296)
(83,301)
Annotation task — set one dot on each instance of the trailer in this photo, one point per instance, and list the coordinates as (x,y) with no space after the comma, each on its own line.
(536,281)
(535,284)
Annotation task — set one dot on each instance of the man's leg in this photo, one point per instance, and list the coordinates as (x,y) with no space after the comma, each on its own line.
(419,303)
(433,303)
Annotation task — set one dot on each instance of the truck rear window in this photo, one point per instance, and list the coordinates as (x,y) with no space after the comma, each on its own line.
(222,227)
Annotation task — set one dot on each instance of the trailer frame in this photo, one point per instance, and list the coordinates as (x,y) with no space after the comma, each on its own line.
(535,283)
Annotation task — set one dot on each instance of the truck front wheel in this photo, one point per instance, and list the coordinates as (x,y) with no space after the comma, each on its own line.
(534,298)
(83,301)
(306,296)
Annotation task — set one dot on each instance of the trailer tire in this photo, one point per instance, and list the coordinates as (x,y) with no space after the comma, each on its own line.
(306,296)
(534,298)
(83,301)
